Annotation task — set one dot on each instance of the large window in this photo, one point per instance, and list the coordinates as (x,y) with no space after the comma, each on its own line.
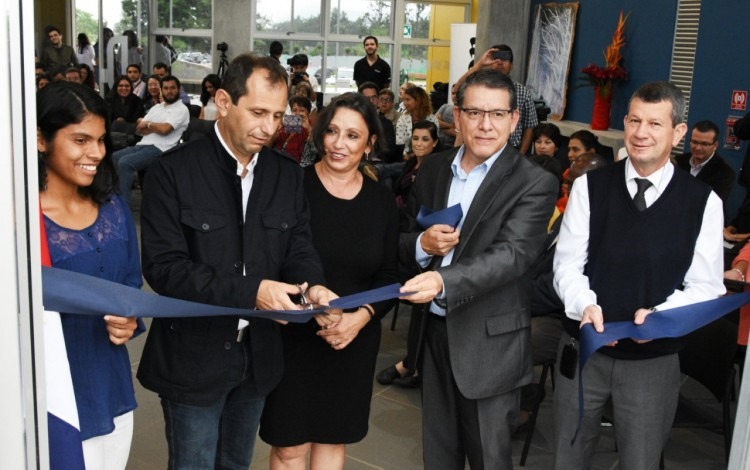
(414,36)
(300,16)
(187,26)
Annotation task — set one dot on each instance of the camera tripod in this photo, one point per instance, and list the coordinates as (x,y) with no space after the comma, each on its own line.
(223,64)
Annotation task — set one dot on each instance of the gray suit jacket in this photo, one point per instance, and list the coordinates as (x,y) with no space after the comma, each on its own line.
(486,284)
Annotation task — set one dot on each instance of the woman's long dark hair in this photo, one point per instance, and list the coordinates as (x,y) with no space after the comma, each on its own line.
(61,104)
(90,81)
(83,41)
(214,80)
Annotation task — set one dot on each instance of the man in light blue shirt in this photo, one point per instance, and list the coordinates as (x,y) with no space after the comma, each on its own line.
(472,281)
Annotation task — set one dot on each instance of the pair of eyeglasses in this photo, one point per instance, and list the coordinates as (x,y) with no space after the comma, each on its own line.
(385,100)
(494,114)
(702,144)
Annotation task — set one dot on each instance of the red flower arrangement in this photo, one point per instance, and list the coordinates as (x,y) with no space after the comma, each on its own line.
(612,71)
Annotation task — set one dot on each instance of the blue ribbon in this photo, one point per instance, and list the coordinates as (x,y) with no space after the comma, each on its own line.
(672,323)
(71,292)
(452,215)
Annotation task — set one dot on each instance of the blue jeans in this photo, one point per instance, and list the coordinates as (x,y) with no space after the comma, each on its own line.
(130,161)
(222,434)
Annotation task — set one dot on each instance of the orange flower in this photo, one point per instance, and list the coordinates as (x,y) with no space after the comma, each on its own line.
(612,56)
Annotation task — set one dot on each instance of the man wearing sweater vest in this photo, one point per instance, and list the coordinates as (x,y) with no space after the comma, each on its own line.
(637,236)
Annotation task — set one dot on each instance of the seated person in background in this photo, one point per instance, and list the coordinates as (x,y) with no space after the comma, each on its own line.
(153,94)
(72,74)
(582,142)
(58,76)
(161,129)
(704,163)
(387,152)
(124,106)
(581,165)
(136,79)
(551,165)
(304,89)
(162,70)
(738,230)
(738,272)
(87,75)
(404,86)
(385,105)
(424,141)
(210,84)
(444,115)
(42,81)
(292,138)
(418,108)
(547,310)
(546,140)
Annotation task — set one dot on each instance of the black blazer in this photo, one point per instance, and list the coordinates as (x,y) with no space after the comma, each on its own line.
(717,173)
(195,245)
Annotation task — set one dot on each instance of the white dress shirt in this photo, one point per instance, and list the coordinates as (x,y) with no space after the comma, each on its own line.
(703,280)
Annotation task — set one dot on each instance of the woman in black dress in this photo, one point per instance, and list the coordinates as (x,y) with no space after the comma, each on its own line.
(323,401)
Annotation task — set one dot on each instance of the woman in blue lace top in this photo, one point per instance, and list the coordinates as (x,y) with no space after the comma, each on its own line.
(90,230)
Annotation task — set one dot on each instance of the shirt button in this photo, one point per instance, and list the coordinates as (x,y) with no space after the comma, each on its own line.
(227,345)
(284,225)
(90,234)
(237,264)
(98,249)
(101,269)
(205,227)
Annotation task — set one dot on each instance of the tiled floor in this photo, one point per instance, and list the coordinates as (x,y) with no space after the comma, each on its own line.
(394,439)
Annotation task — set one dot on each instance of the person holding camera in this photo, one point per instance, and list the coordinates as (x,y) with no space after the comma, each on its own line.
(298,64)
(295,130)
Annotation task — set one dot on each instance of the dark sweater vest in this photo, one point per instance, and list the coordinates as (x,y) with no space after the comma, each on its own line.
(637,259)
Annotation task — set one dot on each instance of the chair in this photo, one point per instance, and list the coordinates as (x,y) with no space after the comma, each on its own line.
(709,359)
(395,316)
(547,368)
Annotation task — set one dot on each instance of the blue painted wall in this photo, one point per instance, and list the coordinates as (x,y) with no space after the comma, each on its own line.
(721,62)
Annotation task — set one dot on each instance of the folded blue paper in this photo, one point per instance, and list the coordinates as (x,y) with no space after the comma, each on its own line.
(71,292)
(452,215)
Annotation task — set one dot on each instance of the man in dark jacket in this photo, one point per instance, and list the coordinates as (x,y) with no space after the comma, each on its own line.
(704,163)
(225,222)
(57,56)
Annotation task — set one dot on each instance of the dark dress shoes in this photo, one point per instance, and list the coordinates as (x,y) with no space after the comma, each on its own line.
(387,375)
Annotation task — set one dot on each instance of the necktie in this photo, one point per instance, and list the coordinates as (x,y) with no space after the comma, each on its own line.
(639,200)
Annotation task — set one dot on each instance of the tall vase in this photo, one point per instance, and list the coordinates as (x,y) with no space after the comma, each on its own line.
(602,107)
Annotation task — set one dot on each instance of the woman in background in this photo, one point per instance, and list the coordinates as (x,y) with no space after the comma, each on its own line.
(87,76)
(582,142)
(90,231)
(124,106)
(424,141)
(210,84)
(153,94)
(547,140)
(85,51)
(418,108)
(323,400)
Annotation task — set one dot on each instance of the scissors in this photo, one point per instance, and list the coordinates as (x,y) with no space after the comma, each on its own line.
(304,303)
